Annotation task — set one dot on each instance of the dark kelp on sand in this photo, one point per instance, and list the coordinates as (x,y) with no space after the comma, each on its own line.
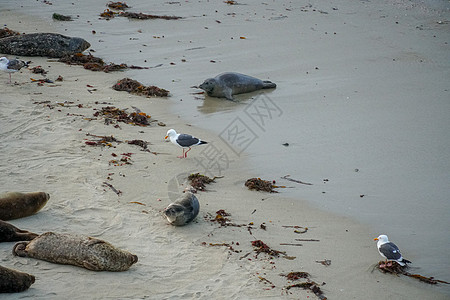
(5,32)
(259,184)
(60,17)
(118,5)
(113,115)
(135,87)
(199,181)
(395,268)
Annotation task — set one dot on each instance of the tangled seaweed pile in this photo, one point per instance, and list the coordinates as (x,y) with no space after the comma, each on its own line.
(261,247)
(135,87)
(5,32)
(199,181)
(118,5)
(395,268)
(260,185)
(113,115)
(90,62)
(101,140)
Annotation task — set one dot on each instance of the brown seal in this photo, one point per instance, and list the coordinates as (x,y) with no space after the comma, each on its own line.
(10,233)
(16,205)
(12,281)
(87,252)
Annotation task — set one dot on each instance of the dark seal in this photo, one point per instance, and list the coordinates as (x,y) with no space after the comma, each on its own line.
(183,210)
(42,44)
(16,205)
(87,252)
(12,281)
(10,233)
(227,84)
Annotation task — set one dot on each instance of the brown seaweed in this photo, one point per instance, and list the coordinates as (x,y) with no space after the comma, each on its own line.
(309,285)
(5,32)
(296,275)
(108,14)
(113,115)
(140,143)
(135,87)
(199,181)
(118,5)
(90,62)
(142,16)
(259,184)
(38,70)
(101,140)
(395,268)
(261,247)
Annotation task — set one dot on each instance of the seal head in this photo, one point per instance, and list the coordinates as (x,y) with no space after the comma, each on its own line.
(182,211)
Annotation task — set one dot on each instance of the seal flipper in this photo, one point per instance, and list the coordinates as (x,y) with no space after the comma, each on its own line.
(90,266)
(20,249)
(268,84)
(228,93)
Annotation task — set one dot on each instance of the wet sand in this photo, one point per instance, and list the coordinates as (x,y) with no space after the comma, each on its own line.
(44,149)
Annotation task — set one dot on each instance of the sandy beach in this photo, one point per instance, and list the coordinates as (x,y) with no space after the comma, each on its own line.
(44,129)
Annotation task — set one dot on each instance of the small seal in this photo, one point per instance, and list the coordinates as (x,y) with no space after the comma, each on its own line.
(183,210)
(10,233)
(42,44)
(227,84)
(12,281)
(16,205)
(87,252)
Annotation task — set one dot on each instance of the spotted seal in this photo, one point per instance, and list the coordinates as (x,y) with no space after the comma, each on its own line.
(12,281)
(227,84)
(183,210)
(87,252)
(10,233)
(16,205)
(42,44)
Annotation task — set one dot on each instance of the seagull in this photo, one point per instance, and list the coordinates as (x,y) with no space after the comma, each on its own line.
(11,66)
(389,250)
(183,140)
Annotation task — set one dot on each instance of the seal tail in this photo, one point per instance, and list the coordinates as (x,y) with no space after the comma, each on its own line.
(268,84)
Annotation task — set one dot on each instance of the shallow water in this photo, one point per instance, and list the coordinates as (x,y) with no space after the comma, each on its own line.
(362,101)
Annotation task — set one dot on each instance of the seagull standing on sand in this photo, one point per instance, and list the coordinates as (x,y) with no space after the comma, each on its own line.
(11,66)
(183,140)
(389,250)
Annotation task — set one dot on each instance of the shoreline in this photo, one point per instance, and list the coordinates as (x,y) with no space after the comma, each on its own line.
(332,231)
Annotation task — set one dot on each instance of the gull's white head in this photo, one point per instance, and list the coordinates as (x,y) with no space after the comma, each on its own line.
(382,239)
(170,133)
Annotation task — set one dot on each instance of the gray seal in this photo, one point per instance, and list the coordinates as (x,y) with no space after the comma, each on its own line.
(16,205)
(183,210)
(42,44)
(227,84)
(87,252)
(10,233)
(12,281)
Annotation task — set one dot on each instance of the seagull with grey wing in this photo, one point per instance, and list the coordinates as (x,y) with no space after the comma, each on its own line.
(184,141)
(11,66)
(389,251)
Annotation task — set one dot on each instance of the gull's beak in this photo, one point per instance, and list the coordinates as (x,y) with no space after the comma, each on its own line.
(166,137)
(375,239)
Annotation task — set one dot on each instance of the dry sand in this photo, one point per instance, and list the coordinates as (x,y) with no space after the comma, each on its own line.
(44,148)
